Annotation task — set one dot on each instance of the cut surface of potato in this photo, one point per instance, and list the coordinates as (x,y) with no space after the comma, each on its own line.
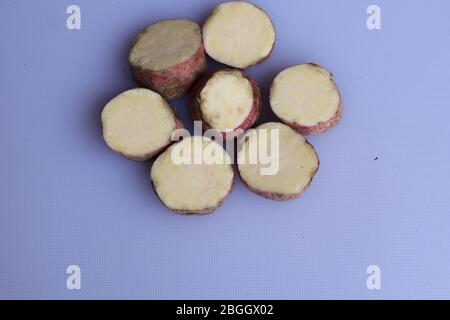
(138,123)
(226,100)
(238,34)
(297,162)
(306,97)
(190,188)
(165,44)
(168,57)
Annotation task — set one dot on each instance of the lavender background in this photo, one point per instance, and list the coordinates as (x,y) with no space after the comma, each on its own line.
(66,199)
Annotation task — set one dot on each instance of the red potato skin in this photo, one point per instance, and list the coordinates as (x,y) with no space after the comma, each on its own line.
(175,81)
(280,196)
(255,111)
(201,212)
(148,156)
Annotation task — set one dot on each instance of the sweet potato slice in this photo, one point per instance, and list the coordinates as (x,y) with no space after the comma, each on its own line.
(297,162)
(168,57)
(193,185)
(226,101)
(306,98)
(138,124)
(238,34)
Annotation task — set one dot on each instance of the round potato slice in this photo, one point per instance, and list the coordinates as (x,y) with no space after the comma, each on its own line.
(138,124)
(276,162)
(193,176)
(226,101)
(238,34)
(168,57)
(306,98)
